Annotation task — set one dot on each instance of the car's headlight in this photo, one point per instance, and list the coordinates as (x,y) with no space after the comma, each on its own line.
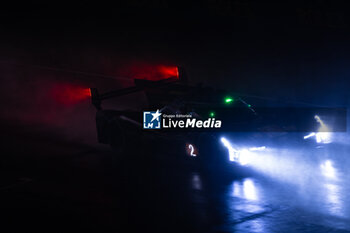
(244,155)
(323,135)
(233,153)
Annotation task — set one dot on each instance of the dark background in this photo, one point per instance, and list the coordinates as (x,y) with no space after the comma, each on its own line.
(295,51)
(52,173)
(290,49)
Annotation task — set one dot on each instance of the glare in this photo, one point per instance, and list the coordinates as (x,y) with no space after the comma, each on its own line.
(196,181)
(244,156)
(323,135)
(333,200)
(229,100)
(246,189)
(261,148)
(225,142)
(233,153)
(332,189)
(310,135)
(249,189)
(328,169)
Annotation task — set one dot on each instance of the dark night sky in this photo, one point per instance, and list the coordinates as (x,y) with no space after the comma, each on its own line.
(294,51)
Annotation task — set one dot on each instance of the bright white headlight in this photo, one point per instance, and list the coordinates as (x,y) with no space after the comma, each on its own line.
(233,153)
(323,135)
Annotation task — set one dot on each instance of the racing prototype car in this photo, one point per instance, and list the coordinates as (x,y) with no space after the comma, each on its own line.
(124,130)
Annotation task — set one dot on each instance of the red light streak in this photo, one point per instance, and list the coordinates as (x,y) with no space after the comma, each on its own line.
(150,72)
(68,94)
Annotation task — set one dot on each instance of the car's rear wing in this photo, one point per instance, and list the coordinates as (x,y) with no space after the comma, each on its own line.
(140,85)
(165,91)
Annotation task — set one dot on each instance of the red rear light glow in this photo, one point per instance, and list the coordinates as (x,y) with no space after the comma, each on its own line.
(68,94)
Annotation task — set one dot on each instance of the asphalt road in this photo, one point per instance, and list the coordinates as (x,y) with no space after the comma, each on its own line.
(50,185)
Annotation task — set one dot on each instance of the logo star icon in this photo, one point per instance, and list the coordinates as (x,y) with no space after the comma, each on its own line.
(156,115)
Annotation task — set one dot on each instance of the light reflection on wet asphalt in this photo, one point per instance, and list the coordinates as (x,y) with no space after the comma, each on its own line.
(267,204)
(292,191)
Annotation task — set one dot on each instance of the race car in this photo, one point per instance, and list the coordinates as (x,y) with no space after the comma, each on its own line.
(125,130)
(125,133)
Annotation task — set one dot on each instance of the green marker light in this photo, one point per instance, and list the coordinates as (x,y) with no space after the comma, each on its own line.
(212,114)
(229,100)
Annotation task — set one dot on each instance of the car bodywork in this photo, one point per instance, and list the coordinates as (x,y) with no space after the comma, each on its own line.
(124,132)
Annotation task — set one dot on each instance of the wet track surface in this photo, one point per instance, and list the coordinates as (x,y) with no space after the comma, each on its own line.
(49,185)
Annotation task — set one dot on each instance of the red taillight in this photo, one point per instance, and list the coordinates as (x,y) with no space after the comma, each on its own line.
(69,94)
(169,71)
(149,71)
